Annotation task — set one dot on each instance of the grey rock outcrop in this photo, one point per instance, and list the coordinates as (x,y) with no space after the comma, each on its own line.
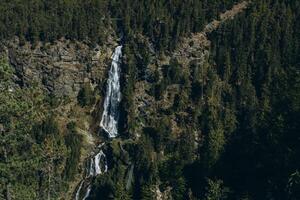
(62,67)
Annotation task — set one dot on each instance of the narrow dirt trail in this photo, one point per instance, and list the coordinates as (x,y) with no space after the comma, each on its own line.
(199,40)
(227,15)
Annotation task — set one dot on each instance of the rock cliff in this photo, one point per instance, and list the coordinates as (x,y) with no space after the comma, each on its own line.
(62,67)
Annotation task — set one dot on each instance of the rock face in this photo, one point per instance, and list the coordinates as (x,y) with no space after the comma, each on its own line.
(62,67)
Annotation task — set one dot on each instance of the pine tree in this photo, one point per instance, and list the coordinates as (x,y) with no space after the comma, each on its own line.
(121,193)
(147,192)
(216,190)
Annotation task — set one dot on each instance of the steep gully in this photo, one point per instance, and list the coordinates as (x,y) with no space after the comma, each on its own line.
(109,122)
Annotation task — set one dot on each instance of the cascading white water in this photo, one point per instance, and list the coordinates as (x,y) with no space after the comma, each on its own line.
(109,123)
(87,194)
(98,165)
(110,116)
(92,167)
(95,164)
(78,191)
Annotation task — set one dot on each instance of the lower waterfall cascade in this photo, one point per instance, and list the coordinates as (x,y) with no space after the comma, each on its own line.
(97,166)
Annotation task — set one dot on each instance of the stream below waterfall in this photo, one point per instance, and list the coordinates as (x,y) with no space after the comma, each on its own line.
(97,164)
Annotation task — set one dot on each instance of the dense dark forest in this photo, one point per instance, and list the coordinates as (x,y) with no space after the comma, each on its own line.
(163,21)
(249,117)
(242,109)
(257,57)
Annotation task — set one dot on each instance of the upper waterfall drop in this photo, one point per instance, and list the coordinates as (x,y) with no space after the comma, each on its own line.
(110,116)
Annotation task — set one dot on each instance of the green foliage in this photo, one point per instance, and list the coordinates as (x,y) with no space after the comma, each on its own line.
(128,90)
(214,146)
(197,91)
(147,192)
(171,173)
(86,96)
(121,193)
(6,71)
(103,188)
(42,159)
(162,21)
(216,190)
(158,89)
(173,72)
(179,190)
(44,20)
(32,154)
(157,136)
(245,122)
(244,128)
(46,128)
(73,142)
(259,88)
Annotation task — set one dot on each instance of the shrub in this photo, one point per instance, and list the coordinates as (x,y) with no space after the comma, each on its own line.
(85,96)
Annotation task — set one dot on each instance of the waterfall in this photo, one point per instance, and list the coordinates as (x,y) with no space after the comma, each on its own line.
(109,123)
(129,177)
(97,165)
(78,190)
(110,116)
(87,194)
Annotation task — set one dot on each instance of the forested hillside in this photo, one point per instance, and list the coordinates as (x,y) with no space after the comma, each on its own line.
(163,21)
(257,57)
(209,106)
(246,121)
